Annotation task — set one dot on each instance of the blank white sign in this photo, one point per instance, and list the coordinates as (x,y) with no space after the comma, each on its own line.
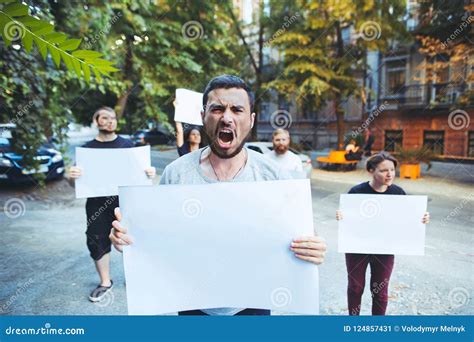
(382,224)
(188,105)
(105,169)
(218,245)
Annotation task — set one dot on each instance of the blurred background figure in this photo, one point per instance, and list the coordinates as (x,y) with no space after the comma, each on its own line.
(281,153)
(353,152)
(187,139)
(369,141)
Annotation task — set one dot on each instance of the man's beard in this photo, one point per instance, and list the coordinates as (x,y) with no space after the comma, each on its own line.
(281,149)
(106,131)
(215,150)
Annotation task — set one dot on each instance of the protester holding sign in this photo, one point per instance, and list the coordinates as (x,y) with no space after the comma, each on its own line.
(382,168)
(99,210)
(187,140)
(188,105)
(281,153)
(228,120)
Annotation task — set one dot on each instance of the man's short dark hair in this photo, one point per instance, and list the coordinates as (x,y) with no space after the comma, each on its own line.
(227,82)
(95,117)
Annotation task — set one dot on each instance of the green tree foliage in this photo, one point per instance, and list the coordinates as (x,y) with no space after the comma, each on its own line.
(325,48)
(16,24)
(445,37)
(157,45)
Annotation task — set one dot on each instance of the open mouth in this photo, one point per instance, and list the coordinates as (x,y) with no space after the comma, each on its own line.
(225,137)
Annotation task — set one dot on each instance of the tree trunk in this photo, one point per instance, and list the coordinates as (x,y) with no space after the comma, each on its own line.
(127,72)
(337,99)
(258,76)
(340,123)
(257,67)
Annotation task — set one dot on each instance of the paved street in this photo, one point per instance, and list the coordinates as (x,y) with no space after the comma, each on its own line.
(46,269)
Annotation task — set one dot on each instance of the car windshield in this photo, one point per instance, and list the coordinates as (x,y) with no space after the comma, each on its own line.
(4,142)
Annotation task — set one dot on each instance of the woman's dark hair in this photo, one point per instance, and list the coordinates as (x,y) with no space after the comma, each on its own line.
(188,131)
(377,158)
(227,82)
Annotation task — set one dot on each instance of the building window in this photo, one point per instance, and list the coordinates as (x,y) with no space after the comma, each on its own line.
(434,140)
(283,104)
(470,146)
(393,140)
(396,74)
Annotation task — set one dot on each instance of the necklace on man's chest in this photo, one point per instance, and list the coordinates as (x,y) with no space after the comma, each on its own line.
(235,175)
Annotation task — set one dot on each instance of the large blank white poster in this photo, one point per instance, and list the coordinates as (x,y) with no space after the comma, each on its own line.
(218,245)
(188,105)
(105,169)
(382,224)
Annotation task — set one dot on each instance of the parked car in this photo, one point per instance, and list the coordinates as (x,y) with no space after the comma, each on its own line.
(152,137)
(265,147)
(13,168)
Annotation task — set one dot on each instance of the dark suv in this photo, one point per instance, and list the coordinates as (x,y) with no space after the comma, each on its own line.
(13,169)
(152,137)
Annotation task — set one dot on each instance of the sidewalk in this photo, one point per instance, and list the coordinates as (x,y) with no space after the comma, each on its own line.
(46,268)
(428,184)
(459,176)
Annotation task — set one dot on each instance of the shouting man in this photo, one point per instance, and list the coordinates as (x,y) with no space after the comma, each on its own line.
(228,119)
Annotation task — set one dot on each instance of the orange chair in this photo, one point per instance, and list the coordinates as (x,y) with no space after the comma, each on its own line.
(337,159)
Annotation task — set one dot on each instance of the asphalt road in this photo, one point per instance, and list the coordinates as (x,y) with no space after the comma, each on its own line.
(46,269)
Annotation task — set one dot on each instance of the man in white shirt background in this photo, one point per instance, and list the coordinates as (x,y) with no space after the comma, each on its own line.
(281,153)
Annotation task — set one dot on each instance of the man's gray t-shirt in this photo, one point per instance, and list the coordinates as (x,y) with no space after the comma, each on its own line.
(187,170)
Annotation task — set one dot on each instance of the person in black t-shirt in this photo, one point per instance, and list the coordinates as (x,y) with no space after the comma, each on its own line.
(100,210)
(382,168)
(187,140)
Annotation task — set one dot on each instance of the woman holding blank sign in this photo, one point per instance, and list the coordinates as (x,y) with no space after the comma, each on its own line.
(187,140)
(382,168)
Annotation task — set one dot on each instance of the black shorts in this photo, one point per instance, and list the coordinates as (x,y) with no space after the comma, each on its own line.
(100,215)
